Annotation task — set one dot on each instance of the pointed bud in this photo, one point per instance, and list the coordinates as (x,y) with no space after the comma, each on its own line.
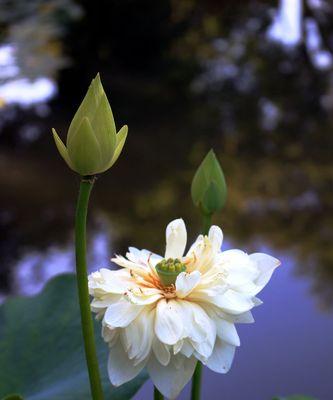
(209,190)
(92,144)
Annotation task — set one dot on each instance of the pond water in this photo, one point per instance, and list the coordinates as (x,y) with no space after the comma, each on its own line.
(287,350)
(267,112)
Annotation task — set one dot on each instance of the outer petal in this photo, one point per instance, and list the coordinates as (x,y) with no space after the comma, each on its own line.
(168,322)
(176,237)
(121,313)
(170,380)
(266,265)
(215,236)
(161,352)
(185,283)
(221,358)
(232,302)
(120,138)
(138,336)
(227,332)
(84,150)
(62,148)
(120,368)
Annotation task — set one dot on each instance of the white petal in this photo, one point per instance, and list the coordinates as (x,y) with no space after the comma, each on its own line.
(266,265)
(221,358)
(121,313)
(161,352)
(185,283)
(143,256)
(170,380)
(176,238)
(227,332)
(233,302)
(168,322)
(138,336)
(120,368)
(145,296)
(245,318)
(215,235)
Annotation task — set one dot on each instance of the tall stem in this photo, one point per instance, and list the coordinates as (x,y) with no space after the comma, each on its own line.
(157,394)
(196,380)
(82,283)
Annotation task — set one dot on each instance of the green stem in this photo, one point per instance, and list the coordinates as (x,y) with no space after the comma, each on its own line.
(196,380)
(82,283)
(206,223)
(157,394)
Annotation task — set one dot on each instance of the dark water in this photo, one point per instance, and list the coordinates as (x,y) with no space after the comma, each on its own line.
(266,110)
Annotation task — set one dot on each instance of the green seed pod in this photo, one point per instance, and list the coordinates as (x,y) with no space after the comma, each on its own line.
(168,270)
(92,145)
(209,190)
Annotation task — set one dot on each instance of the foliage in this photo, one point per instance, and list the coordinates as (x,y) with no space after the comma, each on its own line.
(41,348)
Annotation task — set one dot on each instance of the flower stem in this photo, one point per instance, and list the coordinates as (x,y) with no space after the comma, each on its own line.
(157,394)
(82,283)
(196,380)
(206,223)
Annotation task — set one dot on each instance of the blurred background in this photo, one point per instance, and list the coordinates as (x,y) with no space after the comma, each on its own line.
(253,80)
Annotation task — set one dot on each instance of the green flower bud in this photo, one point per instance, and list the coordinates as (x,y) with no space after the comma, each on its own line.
(93,144)
(168,270)
(209,190)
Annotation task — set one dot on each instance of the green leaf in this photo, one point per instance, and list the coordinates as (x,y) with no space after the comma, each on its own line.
(41,348)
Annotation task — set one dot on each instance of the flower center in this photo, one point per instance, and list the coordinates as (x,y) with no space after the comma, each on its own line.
(169,269)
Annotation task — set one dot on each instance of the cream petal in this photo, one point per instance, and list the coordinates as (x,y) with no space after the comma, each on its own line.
(161,352)
(176,237)
(143,296)
(221,358)
(138,336)
(185,283)
(233,302)
(109,335)
(98,304)
(137,268)
(266,265)
(121,313)
(227,332)
(187,348)
(245,318)
(215,236)
(170,380)
(120,368)
(106,281)
(143,256)
(168,322)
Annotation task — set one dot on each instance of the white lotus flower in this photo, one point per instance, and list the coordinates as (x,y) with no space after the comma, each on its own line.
(168,327)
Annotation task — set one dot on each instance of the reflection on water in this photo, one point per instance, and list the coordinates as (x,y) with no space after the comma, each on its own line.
(35,268)
(264,108)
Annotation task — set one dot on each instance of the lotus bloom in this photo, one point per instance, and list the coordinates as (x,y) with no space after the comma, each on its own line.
(166,313)
(92,145)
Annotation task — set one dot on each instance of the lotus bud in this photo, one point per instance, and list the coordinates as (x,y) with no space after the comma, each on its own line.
(209,190)
(92,145)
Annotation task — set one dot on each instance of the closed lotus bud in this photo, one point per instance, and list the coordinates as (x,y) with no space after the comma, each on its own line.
(209,190)
(93,144)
